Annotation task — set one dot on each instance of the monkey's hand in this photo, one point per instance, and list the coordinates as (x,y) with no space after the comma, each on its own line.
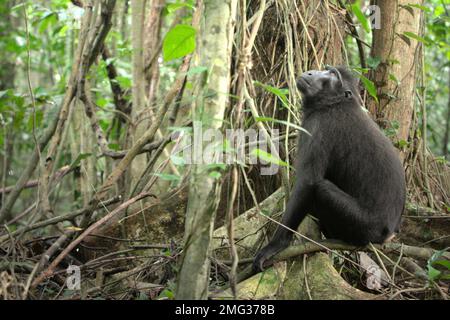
(262,259)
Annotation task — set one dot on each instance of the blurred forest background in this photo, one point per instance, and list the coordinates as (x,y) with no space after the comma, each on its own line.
(95,96)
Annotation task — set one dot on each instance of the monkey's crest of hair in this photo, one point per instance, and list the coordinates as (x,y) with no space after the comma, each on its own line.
(335,97)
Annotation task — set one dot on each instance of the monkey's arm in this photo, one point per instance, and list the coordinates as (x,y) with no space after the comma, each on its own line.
(297,208)
(310,169)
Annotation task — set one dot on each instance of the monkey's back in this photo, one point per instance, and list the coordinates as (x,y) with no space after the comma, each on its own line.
(363,163)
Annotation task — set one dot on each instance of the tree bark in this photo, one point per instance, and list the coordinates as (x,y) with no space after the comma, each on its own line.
(214,43)
(447,124)
(7,64)
(395,76)
(138,126)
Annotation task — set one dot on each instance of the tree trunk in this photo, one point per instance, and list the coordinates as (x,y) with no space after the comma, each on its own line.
(447,124)
(214,43)
(138,126)
(7,64)
(395,76)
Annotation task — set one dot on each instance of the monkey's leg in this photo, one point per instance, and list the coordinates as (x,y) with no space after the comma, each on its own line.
(341,215)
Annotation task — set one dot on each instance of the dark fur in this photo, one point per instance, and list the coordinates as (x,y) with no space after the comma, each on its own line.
(349,175)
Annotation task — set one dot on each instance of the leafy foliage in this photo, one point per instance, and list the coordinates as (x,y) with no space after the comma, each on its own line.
(179,41)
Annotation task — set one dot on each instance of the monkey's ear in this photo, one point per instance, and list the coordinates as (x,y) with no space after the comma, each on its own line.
(348,94)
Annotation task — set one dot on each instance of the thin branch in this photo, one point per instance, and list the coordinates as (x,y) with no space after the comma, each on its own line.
(51,269)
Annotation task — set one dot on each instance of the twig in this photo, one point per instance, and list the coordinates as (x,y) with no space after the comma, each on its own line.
(28,171)
(33,183)
(51,269)
(230,229)
(55,220)
(145,138)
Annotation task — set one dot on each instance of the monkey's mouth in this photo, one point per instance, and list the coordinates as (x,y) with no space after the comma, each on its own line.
(305,81)
(303,85)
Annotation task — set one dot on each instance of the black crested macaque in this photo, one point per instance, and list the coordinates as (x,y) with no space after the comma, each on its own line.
(349,175)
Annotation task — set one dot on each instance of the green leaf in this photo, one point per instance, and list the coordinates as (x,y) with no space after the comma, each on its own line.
(101,102)
(444,263)
(436,256)
(114,146)
(373,62)
(269,119)
(125,82)
(172,7)
(216,166)
(266,212)
(61,31)
(196,70)
(360,16)
(414,36)
(280,93)
(393,78)
(5,93)
(263,155)
(18,6)
(48,19)
(418,6)
(445,277)
(370,87)
(402,143)
(178,42)
(168,177)
(433,273)
(39,117)
(438,11)
(166,293)
(215,174)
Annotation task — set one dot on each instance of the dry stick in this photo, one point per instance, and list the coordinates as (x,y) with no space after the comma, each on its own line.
(58,176)
(90,113)
(230,227)
(141,183)
(254,111)
(145,138)
(177,104)
(140,143)
(51,268)
(355,34)
(70,93)
(34,160)
(327,245)
(424,162)
(309,39)
(134,150)
(103,26)
(247,45)
(151,74)
(33,183)
(118,93)
(45,257)
(55,220)
(87,52)
(95,36)
(28,73)
(147,148)
(22,214)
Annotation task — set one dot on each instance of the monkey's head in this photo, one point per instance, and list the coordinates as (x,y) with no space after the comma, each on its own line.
(330,86)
